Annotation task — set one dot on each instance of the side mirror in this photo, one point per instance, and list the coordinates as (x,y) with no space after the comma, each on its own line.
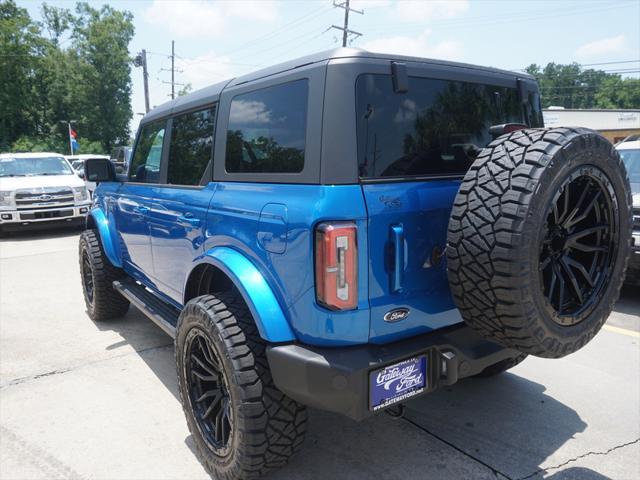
(80,174)
(99,170)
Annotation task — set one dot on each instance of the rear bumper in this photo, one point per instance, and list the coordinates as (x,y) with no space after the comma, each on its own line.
(337,379)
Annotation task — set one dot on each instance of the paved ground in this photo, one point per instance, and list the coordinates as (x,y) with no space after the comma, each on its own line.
(80,400)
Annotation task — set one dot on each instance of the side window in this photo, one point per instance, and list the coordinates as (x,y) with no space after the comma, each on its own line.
(191,147)
(145,166)
(267,128)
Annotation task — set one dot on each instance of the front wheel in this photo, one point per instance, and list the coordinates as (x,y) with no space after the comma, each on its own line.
(243,426)
(97,275)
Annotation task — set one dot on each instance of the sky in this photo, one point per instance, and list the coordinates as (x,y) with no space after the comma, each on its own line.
(218,40)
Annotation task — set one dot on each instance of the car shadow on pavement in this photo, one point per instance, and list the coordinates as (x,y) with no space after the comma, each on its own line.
(576,473)
(629,301)
(40,233)
(475,429)
(506,422)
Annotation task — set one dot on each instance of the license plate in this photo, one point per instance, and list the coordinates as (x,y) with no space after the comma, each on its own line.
(398,382)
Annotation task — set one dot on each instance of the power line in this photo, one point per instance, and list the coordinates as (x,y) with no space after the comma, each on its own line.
(293,25)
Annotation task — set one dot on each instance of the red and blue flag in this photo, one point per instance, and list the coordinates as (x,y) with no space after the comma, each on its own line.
(72,139)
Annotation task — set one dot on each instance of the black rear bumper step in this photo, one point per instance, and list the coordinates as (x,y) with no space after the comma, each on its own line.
(337,378)
(164,315)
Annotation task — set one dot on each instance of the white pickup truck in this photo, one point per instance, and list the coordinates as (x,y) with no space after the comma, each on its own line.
(40,188)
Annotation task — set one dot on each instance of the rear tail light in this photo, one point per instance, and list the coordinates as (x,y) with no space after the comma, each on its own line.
(337,265)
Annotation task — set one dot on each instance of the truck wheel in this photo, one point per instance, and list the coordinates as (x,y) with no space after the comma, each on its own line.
(243,426)
(97,275)
(539,239)
(502,366)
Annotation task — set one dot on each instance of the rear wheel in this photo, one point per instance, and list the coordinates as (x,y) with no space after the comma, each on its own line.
(97,275)
(243,426)
(539,239)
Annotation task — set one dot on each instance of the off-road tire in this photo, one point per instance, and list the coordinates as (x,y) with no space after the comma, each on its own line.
(269,427)
(106,303)
(499,226)
(501,367)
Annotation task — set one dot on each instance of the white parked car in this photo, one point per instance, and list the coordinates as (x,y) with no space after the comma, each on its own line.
(40,188)
(629,150)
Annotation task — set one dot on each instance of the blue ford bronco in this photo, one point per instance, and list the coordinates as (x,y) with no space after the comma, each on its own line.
(350,230)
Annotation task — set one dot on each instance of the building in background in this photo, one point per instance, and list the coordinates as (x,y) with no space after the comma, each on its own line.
(615,125)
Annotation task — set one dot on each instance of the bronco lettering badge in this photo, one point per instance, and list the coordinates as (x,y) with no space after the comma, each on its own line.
(396,315)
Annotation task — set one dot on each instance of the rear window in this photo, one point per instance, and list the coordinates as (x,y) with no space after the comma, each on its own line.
(267,128)
(437,128)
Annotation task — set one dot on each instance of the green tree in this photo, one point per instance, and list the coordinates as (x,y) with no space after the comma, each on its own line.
(20,46)
(70,66)
(570,86)
(102,38)
(616,92)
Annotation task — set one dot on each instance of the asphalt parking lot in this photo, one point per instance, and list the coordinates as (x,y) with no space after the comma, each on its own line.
(81,400)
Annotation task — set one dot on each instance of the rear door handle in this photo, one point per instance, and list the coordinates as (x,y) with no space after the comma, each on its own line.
(189,219)
(397,270)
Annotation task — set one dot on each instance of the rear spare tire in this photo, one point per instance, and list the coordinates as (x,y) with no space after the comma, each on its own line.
(539,239)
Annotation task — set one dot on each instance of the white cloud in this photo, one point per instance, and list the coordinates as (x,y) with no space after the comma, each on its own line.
(368,4)
(418,46)
(197,18)
(249,111)
(604,46)
(407,112)
(422,10)
(262,10)
(205,70)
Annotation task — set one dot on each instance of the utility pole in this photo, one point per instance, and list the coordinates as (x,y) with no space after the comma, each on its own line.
(141,61)
(173,59)
(345,29)
(173,70)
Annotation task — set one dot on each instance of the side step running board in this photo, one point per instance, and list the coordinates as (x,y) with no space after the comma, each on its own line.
(165,316)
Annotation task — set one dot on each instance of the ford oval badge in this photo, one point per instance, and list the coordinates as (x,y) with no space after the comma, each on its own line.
(396,315)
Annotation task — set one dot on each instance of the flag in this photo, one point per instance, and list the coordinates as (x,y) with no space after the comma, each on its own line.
(72,140)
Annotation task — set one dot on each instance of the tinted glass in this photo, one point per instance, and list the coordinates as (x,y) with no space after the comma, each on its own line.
(631,159)
(145,167)
(266,132)
(439,127)
(191,147)
(24,167)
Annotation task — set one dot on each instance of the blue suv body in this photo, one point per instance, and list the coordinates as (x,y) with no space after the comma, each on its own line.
(257,226)
(320,192)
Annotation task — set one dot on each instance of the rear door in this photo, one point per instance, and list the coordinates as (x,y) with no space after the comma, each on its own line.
(135,199)
(413,149)
(179,209)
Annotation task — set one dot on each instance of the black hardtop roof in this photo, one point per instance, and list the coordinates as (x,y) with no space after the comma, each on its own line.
(211,93)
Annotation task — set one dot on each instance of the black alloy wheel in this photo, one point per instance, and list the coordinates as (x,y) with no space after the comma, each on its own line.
(97,275)
(87,277)
(208,392)
(539,239)
(578,248)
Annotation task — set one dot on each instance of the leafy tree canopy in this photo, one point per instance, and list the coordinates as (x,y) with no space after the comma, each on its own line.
(70,66)
(571,86)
